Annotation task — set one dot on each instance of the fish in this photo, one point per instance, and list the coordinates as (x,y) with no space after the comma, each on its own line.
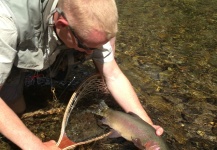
(131,127)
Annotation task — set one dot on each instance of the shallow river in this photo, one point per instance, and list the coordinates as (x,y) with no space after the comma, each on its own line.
(168,50)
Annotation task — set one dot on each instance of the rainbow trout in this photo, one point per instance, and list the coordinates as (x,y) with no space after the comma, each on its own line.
(132,128)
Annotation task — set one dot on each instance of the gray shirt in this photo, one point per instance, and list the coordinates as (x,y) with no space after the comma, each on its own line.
(8,43)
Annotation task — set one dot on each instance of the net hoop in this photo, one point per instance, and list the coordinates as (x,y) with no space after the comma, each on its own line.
(94,83)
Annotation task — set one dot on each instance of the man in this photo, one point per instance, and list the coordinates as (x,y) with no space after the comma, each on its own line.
(33,33)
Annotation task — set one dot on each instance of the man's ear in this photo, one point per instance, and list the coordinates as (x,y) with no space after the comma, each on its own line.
(61,22)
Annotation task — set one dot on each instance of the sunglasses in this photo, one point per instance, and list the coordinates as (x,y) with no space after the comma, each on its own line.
(79,42)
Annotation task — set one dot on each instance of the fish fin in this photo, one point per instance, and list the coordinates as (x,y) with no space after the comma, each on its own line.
(135,115)
(114,134)
(103,105)
(137,142)
(101,122)
(151,145)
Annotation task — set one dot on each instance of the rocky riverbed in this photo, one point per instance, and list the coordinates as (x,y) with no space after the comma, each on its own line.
(168,50)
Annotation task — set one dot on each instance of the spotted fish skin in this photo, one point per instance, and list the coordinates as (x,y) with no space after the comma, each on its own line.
(132,128)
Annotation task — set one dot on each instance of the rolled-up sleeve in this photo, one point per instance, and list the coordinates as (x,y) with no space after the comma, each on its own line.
(8,42)
(103,54)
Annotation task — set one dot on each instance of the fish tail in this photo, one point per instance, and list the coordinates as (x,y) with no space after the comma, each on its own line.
(99,110)
(103,106)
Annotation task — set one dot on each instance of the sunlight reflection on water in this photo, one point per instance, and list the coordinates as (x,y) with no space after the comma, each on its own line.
(168,51)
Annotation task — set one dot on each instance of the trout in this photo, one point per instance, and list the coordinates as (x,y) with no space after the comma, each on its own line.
(132,128)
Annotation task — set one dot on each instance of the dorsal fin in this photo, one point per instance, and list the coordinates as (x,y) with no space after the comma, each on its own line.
(138,118)
(133,114)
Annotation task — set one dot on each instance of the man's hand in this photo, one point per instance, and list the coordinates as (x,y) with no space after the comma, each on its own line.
(51,145)
(159,130)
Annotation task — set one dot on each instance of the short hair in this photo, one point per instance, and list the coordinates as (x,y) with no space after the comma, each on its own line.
(86,15)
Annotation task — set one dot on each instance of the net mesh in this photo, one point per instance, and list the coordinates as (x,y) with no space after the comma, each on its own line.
(79,124)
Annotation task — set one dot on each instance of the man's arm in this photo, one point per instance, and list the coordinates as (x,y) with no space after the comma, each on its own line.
(13,128)
(122,90)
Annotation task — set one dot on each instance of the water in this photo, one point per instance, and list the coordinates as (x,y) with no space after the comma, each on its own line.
(168,50)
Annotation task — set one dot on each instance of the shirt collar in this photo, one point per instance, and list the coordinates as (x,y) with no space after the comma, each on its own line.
(50,21)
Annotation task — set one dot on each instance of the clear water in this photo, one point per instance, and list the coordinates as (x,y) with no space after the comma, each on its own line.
(168,50)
